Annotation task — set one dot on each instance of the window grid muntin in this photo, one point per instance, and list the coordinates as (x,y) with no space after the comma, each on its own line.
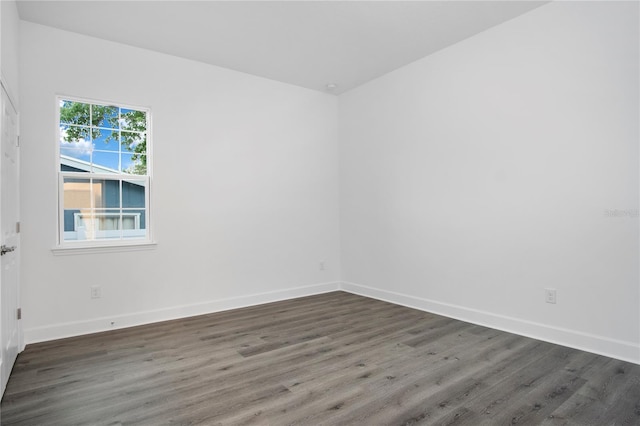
(121,175)
(91,178)
(119,130)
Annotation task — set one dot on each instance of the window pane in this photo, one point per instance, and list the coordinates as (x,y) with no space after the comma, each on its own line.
(75,113)
(134,142)
(77,193)
(134,164)
(106,140)
(77,200)
(74,135)
(133,223)
(105,162)
(109,220)
(75,161)
(106,193)
(75,149)
(134,193)
(133,120)
(97,193)
(104,116)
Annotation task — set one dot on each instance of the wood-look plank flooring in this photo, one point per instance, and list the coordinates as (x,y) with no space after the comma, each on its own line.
(330,359)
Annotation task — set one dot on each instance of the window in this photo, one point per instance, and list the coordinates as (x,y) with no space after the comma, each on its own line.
(104,178)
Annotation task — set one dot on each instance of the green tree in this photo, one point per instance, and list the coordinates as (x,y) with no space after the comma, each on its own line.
(89,121)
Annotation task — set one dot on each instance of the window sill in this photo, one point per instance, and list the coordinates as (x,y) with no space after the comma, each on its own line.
(111,248)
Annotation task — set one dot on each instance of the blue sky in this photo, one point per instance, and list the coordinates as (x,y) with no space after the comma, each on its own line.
(98,151)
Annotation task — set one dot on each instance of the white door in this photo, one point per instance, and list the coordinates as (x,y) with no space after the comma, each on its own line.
(10,239)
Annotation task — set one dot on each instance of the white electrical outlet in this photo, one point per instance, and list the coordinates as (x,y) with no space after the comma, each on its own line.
(550,295)
(321,265)
(96,292)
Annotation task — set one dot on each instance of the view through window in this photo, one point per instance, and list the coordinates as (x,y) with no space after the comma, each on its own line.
(104,172)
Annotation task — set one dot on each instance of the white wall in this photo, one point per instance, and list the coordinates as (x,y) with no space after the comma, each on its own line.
(469,181)
(245,196)
(9,23)
(474,178)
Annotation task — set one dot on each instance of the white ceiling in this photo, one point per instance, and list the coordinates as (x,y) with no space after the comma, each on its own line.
(306,43)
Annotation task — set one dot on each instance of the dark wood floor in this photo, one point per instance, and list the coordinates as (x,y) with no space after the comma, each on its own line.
(329,359)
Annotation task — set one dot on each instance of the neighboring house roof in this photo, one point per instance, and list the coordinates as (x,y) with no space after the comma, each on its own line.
(85,166)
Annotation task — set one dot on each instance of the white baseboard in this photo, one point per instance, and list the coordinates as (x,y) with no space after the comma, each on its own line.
(77,328)
(623,350)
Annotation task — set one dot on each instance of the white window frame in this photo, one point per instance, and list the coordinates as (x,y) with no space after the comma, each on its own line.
(124,242)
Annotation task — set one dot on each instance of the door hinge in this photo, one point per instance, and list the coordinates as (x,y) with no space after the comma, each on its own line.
(17,227)
(19,312)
